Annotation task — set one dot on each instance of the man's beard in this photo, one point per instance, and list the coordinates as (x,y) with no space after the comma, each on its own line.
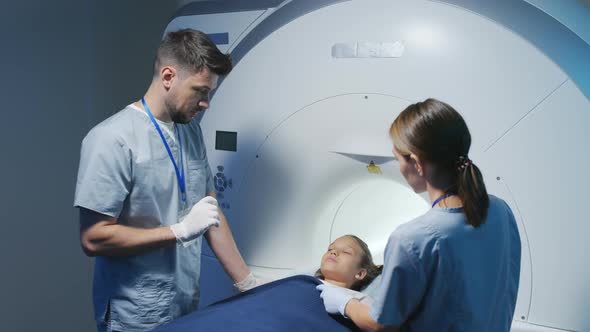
(178,116)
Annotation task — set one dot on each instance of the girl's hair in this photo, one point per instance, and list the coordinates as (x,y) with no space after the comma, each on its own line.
(436,133)
(366,263)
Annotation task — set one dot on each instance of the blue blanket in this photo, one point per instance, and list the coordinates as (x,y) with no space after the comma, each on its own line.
(291,304)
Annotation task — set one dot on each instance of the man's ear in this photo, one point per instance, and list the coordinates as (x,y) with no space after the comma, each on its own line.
(360,275)
(418,164)
(167,76)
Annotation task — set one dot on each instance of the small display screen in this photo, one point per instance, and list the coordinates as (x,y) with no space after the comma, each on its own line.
(219,38)
(226,140)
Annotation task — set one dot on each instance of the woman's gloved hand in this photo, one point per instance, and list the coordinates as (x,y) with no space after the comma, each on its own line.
(202,215)
(336,298)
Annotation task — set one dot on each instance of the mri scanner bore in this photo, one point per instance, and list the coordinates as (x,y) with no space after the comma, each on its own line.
(308,124)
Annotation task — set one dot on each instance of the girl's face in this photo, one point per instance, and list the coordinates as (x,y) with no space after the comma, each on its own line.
(342,260)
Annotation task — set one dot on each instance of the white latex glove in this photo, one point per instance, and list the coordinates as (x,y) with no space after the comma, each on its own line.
(250,282)
(336,298)
(202,215)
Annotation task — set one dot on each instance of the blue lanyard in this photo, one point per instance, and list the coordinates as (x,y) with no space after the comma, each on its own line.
(179,174)
(441,197)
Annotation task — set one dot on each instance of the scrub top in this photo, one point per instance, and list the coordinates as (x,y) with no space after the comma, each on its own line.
(125,172)
(441,274)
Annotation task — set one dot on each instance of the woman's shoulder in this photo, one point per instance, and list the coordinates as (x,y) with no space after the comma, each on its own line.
(418,240)
(429,232)
(499,209)
(496,200)
(416,227)
(417,235)
(431,224)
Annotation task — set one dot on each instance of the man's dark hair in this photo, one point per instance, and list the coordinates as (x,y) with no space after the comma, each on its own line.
(191,50)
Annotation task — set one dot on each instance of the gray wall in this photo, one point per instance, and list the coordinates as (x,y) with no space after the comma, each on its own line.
(66,65)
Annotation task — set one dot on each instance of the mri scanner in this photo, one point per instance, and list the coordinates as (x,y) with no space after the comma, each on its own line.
(297,134)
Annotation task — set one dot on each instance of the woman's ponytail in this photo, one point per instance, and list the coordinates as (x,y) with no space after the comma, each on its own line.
(472,191)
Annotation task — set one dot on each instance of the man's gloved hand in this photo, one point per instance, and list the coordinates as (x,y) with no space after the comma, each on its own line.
(250,282)
(336,298)
(202,215)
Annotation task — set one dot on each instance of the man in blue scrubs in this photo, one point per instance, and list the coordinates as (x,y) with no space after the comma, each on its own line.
(146,194)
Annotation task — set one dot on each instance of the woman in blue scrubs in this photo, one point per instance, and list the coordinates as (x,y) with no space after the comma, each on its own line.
(455,268)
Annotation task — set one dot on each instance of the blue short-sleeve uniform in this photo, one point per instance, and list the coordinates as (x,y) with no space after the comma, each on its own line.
(125,172)
(441,274)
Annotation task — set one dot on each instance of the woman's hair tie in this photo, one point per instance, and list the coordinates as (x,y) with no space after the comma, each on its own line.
(463,163)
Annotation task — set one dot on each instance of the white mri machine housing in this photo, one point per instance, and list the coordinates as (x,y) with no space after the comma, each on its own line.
(309,124)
